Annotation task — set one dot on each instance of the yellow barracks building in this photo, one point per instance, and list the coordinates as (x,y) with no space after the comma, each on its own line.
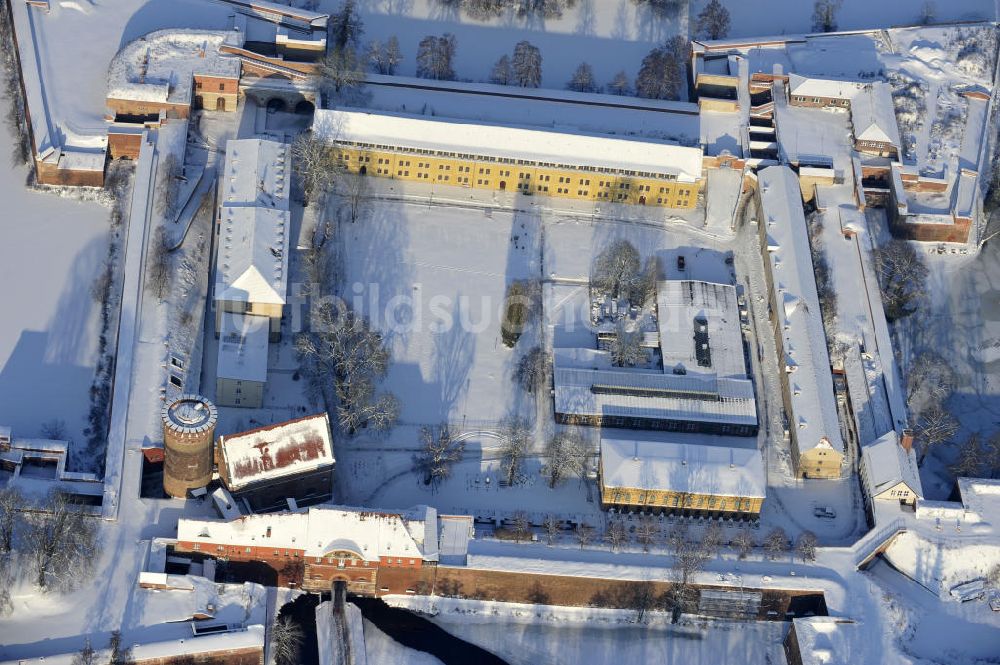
(503,158)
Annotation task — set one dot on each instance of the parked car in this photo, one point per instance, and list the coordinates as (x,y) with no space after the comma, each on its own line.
(971,590)
(824,512)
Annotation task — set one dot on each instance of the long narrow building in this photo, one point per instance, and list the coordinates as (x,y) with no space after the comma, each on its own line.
(524,160)
(806,380)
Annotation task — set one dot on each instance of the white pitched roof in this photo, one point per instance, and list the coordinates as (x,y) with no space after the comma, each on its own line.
(683,467)
(372,534)
(873,114)
(257,173)
(814,411)
(834,641)
(278,450)
(510,142)
(243,347)
(252,255)
(827,88)
(679,303)
(887,464)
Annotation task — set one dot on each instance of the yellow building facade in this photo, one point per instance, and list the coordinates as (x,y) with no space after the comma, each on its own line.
(516,175)
(681,503)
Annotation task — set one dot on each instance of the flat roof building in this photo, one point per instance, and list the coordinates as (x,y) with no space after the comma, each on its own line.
(263,467)
(685,478)
(701,387)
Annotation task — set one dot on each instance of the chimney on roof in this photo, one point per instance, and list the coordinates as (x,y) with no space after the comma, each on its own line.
(906,440)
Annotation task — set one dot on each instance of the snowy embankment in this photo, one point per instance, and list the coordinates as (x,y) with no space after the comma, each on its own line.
(940,564)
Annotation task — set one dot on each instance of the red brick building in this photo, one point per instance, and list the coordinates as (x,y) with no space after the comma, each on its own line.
(374,552)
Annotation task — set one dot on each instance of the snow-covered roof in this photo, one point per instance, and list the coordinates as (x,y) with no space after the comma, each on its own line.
(683,467)
(872,110)
(981,496)
(704,399)
(252,255)
(257,173)
(272,10)
(243,347)
(561,148)
(276,451)
(833,641)
(803,86)
(454,534)
(159,67)
(887,464)
(874,116)
(189,596)
(705,315)
(814,411)
(965,195)
(371,534)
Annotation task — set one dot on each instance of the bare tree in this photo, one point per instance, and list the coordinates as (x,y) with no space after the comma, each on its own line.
(158,269)
(551,526)
(287,637)
(991,454)
(520,526)
(533,369)
(639,596)
(60,543)
(743,542)
(625,348)
(356,192)
(825,15)
(434,57)
(993,576)
(934,427)
(711,539)
(360,406)
(502,74)
(526,65)
(385,58)
(644,289)
(121,654)
(713,21)
(11,504)
(616,270)
(566,455)
(930,380)
(338,71)
(970,458)
(620,84)
(584,534)
(615,535)
(314,164)
(583,79)
(647,533)
(168,187)
(438,453)
(515,441)
(776,542)
(806,546)
(54,428)
(902,277)
(86,655)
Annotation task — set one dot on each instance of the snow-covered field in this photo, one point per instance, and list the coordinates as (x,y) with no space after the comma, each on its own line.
(52,251)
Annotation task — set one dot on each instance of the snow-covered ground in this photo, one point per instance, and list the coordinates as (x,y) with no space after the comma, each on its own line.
(523,634)
(380,648)
(53,249)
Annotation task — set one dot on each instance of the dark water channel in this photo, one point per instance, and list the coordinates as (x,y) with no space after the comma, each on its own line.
(413,631)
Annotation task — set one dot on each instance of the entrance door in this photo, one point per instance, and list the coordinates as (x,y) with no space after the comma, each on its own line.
(220,104)
(503,185)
